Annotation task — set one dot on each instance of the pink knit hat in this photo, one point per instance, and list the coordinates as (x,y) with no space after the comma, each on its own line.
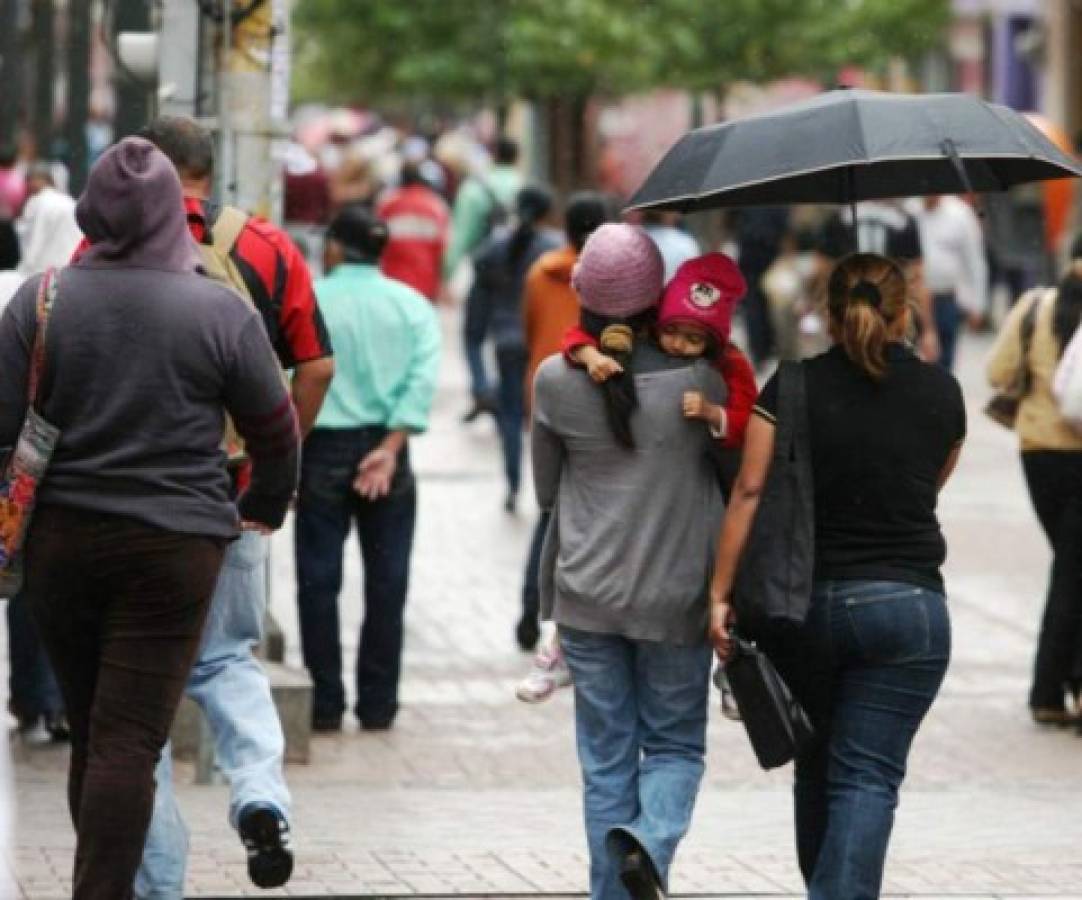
(619,272)
(704,291)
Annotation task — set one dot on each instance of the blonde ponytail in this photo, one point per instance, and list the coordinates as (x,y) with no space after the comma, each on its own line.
(864,339)
(866,296)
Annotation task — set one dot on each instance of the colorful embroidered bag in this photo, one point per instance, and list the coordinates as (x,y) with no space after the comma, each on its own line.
(25,464)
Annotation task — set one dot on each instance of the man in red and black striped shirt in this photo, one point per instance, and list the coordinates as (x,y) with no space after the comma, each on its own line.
(226,681)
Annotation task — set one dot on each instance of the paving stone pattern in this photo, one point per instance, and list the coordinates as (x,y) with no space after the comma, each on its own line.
(475,794)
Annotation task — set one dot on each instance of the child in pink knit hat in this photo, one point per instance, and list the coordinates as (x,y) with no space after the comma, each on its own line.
(694,318)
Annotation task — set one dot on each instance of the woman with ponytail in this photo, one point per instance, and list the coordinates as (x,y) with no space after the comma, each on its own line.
(635,497)
(885,432)
(494,308)
(1052,463)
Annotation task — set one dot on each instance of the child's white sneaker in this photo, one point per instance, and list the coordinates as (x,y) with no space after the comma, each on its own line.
(549,673)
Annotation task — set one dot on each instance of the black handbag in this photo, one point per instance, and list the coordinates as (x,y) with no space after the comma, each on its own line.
(777,726)
(773,585)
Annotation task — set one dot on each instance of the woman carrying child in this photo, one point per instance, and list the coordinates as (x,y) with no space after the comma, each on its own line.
(689,324)
(632,482)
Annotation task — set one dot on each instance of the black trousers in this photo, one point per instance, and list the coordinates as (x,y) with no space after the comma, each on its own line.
(120,606)
(1054,478)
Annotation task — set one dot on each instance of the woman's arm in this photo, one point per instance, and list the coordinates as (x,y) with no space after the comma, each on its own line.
(758,451)
(949,466)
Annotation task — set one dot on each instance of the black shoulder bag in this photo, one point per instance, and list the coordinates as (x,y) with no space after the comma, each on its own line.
(773,583)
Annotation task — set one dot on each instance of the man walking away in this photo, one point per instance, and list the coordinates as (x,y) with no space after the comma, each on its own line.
(355,469)
(227,681)
(417,219)
(481,204)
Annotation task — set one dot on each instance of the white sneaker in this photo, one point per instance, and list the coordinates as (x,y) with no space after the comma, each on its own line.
(549,673)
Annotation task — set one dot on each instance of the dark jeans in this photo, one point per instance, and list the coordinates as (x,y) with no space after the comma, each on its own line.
(948,322)
(757,318)
(1055,487)
(120,607)
(32,684)
(327,506)
(867,666)
(531,589)
(511,363)
(475,362)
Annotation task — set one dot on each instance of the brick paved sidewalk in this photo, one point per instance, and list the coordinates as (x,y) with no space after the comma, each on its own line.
(474,794)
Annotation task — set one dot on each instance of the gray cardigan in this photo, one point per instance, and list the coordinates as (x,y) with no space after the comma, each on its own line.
(630,547)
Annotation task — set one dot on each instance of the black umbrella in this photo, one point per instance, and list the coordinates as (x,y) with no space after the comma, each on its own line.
(844,146)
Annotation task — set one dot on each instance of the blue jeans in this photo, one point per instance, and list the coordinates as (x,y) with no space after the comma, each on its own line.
(327,506)
(480,388)
(948,322)
(33,691)
(867,665)
(232,689)
(640,725)
(510,405)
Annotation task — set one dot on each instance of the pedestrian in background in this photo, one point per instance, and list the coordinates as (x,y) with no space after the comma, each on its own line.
(134,512)
(356,469)
(550,308)
(417,221)
(483,203)
(1052,463)
(885,432)
(494,308)
(227,682)
(634,493)
(759,237)
(955,268)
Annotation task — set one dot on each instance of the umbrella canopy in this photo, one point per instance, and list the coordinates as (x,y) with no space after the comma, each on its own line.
(850,145)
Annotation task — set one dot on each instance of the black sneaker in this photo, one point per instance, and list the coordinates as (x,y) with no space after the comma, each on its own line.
(265,834)
(327,723)
(638,876)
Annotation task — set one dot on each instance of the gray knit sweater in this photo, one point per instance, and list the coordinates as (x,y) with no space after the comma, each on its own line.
(630,548)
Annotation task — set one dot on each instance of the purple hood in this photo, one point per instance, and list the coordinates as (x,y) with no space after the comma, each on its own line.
(132,211)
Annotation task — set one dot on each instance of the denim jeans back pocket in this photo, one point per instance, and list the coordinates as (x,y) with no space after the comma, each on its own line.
(893,624)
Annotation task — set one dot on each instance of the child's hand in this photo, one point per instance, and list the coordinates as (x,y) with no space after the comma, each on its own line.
(695,405)
(599,366)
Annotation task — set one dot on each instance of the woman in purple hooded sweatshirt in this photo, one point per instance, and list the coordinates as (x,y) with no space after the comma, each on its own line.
(144,358)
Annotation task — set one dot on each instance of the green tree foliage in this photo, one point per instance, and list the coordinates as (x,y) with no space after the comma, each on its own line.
(470,50)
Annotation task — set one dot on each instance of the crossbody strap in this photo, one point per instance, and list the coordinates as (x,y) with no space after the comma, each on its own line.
(46,298)
(791,422)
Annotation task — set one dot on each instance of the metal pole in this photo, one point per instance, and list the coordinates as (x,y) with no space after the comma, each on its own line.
(44,109)
(133,100)
(78,92)
(9,70)
(227,183)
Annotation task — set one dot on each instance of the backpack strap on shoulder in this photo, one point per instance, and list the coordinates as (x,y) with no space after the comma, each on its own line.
(227,228)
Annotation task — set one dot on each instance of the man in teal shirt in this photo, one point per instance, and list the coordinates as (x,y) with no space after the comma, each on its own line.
(355,469)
